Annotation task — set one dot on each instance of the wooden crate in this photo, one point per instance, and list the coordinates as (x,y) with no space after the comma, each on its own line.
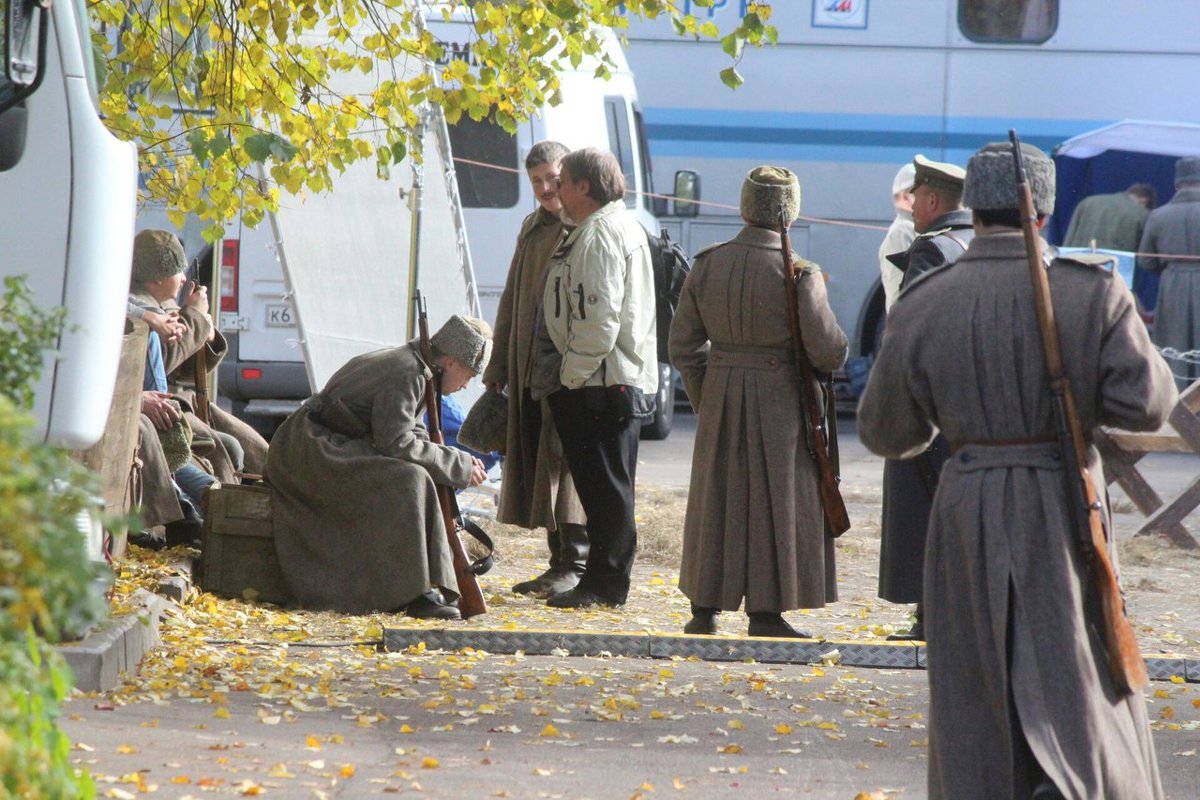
(238,546)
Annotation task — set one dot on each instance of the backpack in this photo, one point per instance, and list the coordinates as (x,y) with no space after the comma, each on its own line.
(671,268)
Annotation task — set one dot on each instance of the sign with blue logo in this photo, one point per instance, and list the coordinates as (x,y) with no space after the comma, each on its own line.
(840,14)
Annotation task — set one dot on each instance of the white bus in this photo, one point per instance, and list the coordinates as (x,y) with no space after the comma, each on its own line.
(856,88)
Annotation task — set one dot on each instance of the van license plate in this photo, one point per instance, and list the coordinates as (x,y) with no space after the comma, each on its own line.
(280,316)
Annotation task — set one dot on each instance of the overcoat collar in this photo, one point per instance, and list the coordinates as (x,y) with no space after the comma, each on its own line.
(754,236)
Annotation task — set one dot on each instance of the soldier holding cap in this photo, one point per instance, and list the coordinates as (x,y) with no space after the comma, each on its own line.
(1022,702)
(754,529)
(944,229)
(358,526)
(1173,229)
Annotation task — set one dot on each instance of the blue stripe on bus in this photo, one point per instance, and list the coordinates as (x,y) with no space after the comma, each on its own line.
(841,137)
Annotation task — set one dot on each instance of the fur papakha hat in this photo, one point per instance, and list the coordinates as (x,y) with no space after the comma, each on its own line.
(764,190)
(992,178)
(156,254)
(485,429)
(467,339)
(1187,170)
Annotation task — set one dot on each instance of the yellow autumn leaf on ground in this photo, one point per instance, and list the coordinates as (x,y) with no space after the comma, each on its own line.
(347,771)
(126,749)
(406,728)
(736,725)
(542,773)
(783,728)
(280,771)
(429,762)
(678,783)
(312,742)
(730,749)
(181,780)
(221,713)
(549,731)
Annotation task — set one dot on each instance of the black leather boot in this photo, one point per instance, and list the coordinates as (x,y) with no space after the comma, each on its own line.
(772,623)
(914,634)
(568,556)
(703,621)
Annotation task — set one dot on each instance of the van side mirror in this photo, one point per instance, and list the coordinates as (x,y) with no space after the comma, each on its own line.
(687,193)
(24,43)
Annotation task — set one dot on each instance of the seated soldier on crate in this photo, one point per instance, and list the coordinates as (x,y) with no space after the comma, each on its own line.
(172,484)
(358,526)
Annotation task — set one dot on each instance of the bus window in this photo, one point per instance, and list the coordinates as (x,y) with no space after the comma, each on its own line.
(1011,21)
(492,180)
(621,144)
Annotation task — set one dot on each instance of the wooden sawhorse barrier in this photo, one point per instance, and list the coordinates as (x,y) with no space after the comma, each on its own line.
(1122,450)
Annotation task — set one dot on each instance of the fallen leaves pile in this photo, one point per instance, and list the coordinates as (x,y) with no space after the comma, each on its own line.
(317,679)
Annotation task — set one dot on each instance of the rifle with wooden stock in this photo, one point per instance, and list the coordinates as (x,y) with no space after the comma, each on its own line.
(470,597)
(200,363)
(1124,659)
(832,503)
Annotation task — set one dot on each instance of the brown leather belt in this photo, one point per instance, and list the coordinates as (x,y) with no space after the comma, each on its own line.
(956,446)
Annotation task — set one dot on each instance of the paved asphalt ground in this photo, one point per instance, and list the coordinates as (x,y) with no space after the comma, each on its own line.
(437,725)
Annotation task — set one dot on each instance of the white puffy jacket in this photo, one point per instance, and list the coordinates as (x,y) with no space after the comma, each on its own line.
(599,304)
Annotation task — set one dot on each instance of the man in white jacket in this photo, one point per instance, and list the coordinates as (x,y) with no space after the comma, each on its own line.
(598,310)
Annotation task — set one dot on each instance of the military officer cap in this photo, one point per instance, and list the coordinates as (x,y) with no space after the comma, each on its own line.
(991,183)
(1187,170)
(937,174)
(467,340)
(765,189)
(157,254)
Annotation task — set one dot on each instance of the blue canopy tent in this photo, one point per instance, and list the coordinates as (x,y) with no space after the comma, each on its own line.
(1111,159)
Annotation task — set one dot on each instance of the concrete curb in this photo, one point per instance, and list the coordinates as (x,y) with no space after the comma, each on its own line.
(877,655)
(117,645)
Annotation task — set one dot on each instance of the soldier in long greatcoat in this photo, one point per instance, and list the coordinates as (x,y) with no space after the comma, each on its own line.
(754,529)
(1174,229)
(945,230)
(1022,702)
(358,526)
(537,490)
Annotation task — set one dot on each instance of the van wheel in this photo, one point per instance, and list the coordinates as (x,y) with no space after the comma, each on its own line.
(658,427)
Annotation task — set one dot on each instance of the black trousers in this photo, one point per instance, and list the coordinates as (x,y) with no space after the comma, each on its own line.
(601,451)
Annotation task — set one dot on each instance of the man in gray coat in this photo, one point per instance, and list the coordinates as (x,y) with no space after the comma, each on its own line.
(944,229)
(358,525)
(754,530)
(1022,703)
(1174,230)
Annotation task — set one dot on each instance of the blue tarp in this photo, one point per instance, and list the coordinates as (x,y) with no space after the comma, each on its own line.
(1111,159)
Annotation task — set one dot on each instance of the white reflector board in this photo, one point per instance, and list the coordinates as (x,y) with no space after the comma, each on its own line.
(346,253)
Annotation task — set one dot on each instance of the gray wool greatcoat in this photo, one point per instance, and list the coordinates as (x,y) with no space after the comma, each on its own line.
(754,527)
(1014,656)
(357,523)
(537,490)
(1174,229)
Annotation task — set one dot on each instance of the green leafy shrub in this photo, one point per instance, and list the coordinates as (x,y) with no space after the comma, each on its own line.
(45,575)
(26,333)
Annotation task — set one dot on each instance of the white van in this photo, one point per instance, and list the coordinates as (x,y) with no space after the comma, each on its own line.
(264,376)
(67,195)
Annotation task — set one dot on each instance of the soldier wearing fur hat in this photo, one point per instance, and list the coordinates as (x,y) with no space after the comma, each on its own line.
(944,229)
(754,533)
(1022,703)
(1174,229)
(357,523)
